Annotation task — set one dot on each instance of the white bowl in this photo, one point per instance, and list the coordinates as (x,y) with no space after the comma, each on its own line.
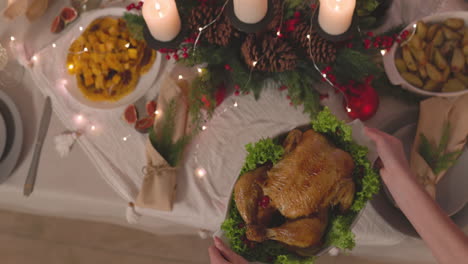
(389,58)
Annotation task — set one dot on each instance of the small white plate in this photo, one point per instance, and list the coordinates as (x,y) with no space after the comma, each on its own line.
(451,192)
(389,58)
(3,135)
(14,130)
(144,83)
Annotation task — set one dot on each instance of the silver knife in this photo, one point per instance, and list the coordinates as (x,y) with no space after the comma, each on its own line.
(43,127)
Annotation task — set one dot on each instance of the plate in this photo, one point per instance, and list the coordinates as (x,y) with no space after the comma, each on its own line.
(3,135)
(389,58)
(14,132)
(144,84)
(451,192)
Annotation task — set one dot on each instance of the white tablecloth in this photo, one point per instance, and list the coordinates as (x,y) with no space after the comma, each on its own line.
(201,201)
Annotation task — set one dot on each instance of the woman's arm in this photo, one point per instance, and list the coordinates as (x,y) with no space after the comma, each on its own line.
(446,241)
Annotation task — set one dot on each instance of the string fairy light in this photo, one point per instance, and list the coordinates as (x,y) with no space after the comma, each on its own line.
(324,75)
(201,29)
(12,38)
(199,171)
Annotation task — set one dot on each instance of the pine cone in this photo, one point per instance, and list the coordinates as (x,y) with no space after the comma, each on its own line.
(268,53)
(275,23)
(220,33)
(321,50)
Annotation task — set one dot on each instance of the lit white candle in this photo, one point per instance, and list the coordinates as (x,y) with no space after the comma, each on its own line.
(250,11)
(335,16)
(162,18)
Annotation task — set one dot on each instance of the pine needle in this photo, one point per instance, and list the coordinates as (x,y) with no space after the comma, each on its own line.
(171,152)
(436,156)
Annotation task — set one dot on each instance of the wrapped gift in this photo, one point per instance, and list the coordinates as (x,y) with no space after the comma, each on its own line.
(160,182)
(442,132)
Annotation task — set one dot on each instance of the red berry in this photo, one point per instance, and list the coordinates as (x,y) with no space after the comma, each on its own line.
(175,56)
(265,201)
(168,57)
(237,93)
(323,96)
(313,6)
(140,4)
(288,97)
(376,44)
(128,8)
(370,34)
(327,69)
(237,87)
(291,103)
(283,87)
(185,55)
(349,45)
(227,67)
(297,14)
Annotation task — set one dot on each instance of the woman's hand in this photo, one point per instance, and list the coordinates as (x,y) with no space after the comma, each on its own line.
(221,254)
(391,153)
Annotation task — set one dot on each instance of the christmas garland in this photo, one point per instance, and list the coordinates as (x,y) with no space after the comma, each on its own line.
(288,52)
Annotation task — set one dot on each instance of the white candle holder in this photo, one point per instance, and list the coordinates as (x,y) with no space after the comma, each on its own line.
(353,29)
(250,28)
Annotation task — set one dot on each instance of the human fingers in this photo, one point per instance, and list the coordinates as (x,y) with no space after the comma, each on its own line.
(230,255)
(227,252)
(215,256)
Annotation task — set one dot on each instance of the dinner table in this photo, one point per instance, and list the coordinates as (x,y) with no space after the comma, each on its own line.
(102,173)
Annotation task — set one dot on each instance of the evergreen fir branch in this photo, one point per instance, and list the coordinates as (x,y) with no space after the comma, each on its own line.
(300,88)
(135,25)
(436,156)
(353,65)
(203,89)
(170,151)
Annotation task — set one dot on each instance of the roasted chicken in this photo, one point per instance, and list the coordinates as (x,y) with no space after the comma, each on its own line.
(312,176)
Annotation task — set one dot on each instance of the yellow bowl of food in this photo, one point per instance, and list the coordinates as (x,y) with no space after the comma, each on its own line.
(433,61)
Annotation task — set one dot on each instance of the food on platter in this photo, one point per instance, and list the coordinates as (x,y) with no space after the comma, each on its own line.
(310,178)
(66,16)
(435,58)
(107,61)
(130,114)
(298,196)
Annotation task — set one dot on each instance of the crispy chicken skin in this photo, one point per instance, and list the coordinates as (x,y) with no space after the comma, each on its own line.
(247,193)
(313,176)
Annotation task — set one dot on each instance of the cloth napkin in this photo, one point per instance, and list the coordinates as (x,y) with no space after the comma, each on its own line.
(160,181)
(33,9)
(435,114)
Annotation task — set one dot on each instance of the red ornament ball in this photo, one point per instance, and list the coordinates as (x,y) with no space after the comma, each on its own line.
(363,105)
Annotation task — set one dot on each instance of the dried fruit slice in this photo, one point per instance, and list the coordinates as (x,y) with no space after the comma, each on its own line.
(151,108)
(144,125)
(57,25)
(130,115)
(68,15)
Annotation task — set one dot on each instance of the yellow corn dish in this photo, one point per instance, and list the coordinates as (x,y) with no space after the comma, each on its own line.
(107,61)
